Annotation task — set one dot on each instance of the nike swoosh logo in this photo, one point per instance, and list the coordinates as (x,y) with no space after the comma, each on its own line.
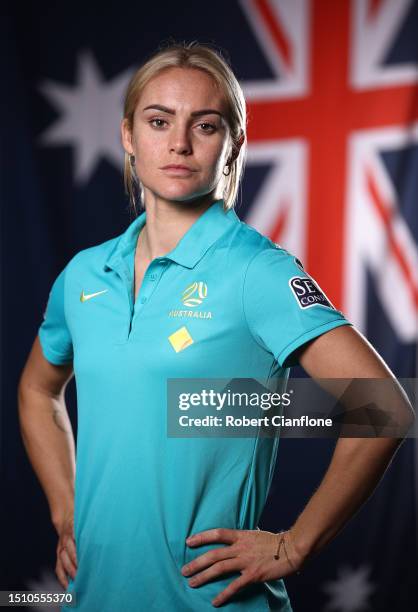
(87,296)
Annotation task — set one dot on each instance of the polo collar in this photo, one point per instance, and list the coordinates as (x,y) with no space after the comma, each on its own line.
(191,247)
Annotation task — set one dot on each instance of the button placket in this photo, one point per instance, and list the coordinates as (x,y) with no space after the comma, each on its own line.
(148,286)
(122,271)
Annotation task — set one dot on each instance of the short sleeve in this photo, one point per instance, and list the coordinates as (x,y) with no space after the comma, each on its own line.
(54,334)
(284,306)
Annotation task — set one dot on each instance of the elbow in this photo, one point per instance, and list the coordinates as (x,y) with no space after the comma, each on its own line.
(20,393)
(410,421)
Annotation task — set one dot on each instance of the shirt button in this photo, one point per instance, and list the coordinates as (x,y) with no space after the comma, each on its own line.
(163,262)
(153,277)
(143,300)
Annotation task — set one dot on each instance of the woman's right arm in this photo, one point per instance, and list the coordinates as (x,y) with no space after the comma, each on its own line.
(46,430)
(47,433)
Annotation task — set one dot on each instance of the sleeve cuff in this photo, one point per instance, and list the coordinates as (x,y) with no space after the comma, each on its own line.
(51,355)
(285,355)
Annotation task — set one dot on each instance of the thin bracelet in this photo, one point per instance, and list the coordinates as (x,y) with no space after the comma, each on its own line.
(277,555)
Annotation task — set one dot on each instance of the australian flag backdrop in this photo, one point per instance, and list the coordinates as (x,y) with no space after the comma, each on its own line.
(332,175)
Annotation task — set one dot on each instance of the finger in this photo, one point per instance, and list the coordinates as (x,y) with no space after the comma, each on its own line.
(222,567)
(219,534)
(67,564)
(61,575)
(212,556)
(232,588)
(70,547)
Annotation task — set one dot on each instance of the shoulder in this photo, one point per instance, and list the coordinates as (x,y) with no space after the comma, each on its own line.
(260,253)
(93,256)
(273,273)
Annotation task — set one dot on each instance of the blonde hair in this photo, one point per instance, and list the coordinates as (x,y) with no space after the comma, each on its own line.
(201,57)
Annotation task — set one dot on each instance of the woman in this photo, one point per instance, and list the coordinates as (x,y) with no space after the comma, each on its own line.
(187,291)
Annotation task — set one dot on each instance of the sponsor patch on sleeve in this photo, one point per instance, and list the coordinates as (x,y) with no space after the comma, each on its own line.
(308,293)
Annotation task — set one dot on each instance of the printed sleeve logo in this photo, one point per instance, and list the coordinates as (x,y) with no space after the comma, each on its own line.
(308,293)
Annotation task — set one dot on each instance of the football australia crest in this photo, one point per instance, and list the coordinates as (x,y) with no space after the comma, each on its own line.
(193,296)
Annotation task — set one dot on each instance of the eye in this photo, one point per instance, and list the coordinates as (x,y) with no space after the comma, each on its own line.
(157,122)
(207,127)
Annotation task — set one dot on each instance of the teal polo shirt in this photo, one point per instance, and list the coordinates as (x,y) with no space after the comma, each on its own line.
(225,302)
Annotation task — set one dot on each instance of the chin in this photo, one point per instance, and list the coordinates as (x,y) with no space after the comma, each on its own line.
(179,193)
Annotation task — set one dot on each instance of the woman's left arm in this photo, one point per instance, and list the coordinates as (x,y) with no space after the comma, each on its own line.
(356,468)
(357,464)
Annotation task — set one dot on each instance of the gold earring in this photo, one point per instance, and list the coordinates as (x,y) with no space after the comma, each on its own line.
(132,160)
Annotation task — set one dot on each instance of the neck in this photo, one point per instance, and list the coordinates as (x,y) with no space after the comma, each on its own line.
(166,223)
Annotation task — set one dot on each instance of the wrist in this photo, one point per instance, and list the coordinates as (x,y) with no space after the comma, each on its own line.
(287,551)
(60,517)
(303,544)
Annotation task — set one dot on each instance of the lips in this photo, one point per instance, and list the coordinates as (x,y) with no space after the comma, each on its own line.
(177,167)
(178,171)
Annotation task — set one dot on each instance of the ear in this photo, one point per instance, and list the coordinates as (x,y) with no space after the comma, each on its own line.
(126,136)
(236,147)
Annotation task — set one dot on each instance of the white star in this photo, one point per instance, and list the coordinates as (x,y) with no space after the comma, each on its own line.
(90,116)
(350,592)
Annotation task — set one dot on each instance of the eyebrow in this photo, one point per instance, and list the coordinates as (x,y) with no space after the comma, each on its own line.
(199,113)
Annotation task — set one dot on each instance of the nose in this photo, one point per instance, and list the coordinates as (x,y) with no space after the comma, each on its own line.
(179,141)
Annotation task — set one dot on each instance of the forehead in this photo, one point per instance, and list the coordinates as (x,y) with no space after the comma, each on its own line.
(187,88)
